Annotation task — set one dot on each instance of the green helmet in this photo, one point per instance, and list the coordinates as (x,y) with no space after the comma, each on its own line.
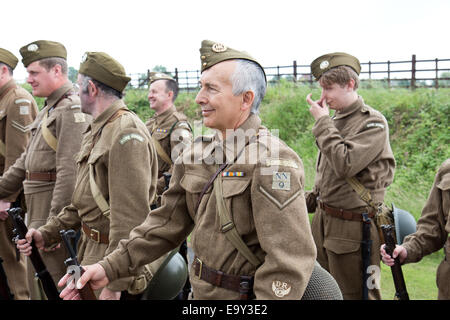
(405,223)
(322,286)
(168,280)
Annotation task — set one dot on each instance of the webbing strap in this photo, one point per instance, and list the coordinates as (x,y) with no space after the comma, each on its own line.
(47,134)
(101,202)
(2,148)
(228,227)
(160,151)
(363,193)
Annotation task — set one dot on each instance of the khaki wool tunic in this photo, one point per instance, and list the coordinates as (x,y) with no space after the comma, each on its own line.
(270,217)
(354,143)
(169,129)
(17,111)
(45,199)
(433,229)
(125,171)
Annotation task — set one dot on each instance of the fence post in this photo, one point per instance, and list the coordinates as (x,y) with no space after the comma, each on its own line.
(389,74)
(413,72)
(370,70)
(295,70)
(278,73)
(176,75)
(436,82)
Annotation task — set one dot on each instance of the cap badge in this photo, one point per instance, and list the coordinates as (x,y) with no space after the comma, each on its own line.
(324,64)
(83,58)
(218,47)
(33,47)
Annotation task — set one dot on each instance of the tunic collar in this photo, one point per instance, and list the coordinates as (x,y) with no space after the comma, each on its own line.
(355,106)
(229,146)
(103,118)
(56,95)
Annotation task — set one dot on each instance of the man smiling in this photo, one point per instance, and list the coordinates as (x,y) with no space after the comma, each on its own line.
(250,231)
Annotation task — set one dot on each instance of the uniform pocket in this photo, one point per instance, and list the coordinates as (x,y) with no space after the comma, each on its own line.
(234,187)
(194,184)
(341,246)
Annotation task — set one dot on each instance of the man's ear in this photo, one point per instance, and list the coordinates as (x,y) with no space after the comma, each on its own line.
(247,100)
(351,85)
(92,89)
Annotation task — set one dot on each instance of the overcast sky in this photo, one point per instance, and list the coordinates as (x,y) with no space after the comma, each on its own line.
(141,34)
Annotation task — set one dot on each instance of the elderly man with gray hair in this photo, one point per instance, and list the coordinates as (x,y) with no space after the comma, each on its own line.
(250,228)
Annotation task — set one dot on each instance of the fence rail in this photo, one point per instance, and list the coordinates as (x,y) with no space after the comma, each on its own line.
(414,73)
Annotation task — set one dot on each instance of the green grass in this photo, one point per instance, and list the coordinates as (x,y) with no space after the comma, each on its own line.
(420,139)
(419,133)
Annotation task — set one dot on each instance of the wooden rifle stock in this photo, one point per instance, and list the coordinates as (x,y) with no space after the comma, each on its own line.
(399,282)
(86,293)
(42,273)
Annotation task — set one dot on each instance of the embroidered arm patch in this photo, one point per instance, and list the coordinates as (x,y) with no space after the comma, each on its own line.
(131,136)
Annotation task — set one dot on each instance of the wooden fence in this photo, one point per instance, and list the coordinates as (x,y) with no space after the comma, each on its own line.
(414,73)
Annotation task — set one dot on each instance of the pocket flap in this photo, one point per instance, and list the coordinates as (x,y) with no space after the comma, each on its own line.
(341,246)
(234,186)
(194,183)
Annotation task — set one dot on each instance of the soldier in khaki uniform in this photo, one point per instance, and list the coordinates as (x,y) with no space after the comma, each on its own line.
(117,172)
(246,211)
(46,170)
(168,127)
(433,229)
(17,111)
(352,143)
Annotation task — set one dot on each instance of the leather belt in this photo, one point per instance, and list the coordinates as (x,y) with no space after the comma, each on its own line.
(345,214)
(40,176)
(241,284)
(94,234)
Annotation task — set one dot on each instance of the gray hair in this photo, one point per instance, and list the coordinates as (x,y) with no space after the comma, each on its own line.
(248,76)
(107,90)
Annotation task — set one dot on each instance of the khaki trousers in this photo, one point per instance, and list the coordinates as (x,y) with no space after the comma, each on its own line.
(338,245)
(38,208)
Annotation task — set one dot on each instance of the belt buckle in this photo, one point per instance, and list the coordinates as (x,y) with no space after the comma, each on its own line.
(201,267)
(95,233)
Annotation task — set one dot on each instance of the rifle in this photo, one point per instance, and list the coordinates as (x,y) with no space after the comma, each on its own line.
(20,230)
(73,267)
(5,292)
(396,269)
(366,249)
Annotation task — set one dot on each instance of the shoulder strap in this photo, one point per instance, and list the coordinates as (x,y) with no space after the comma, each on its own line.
(47,134)
(228,227)
(160,151)
(99,199)
(363,193)
(51,140)
(2,148)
